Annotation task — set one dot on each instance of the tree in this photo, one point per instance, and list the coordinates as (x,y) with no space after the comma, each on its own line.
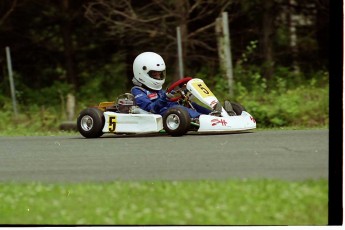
(151,25)
(82,43)
(268,28)
(68,16)
(52,43)
(288,34)
(6,8)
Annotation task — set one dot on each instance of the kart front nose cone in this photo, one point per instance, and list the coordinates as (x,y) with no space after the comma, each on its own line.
(86,123)
(173,121)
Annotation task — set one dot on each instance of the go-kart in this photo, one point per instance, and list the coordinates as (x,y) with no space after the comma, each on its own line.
(124,117)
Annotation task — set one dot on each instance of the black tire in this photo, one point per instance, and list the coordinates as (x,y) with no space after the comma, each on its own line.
(238,108)
(90,123)
(176,121)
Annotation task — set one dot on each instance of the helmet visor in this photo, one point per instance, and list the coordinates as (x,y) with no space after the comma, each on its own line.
(158,75)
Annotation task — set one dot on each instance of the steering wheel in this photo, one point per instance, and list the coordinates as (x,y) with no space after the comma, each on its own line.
(178,83)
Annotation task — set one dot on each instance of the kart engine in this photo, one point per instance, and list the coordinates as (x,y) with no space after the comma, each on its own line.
(125,103)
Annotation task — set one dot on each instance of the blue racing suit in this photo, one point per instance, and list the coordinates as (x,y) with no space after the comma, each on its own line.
(156,102)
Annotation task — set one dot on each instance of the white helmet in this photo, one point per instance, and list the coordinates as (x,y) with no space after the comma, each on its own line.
(145,66)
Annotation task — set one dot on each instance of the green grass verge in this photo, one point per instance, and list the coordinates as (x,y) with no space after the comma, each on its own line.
(26,132)
(234,202)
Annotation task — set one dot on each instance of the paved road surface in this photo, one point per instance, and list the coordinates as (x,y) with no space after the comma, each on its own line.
(290,155)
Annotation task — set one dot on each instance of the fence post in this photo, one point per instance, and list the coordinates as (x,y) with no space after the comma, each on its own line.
(10,76)
(224,50)
(179,51)
(227,51)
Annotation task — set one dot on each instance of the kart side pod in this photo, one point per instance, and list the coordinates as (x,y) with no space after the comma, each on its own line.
(131,123)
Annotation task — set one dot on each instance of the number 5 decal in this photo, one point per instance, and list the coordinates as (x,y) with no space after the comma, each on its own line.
(112,123)
(203,90)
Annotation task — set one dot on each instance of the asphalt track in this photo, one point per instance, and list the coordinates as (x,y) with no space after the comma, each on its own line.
(289,155)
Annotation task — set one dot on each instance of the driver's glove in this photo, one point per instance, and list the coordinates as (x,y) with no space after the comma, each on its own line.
(170,95)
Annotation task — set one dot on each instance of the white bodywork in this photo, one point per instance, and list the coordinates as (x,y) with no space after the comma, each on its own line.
(153,123)
(132,123)
(226,124)
(199,89)
(140,121)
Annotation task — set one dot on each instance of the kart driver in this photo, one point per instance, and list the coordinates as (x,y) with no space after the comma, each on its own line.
(149,76)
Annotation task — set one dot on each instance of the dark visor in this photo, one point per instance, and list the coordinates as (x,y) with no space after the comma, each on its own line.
(159,75)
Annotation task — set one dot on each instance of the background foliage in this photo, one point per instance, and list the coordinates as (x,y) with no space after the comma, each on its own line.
(86,47)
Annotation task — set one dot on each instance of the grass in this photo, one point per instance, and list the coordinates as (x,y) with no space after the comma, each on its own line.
(232,202)
(28,131)
(23,132)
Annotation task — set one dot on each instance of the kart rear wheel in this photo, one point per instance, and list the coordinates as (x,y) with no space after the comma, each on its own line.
(176,121)
(90,123)
(238,108)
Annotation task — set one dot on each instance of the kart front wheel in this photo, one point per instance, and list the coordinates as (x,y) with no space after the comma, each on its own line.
(90,123)
(176,121)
